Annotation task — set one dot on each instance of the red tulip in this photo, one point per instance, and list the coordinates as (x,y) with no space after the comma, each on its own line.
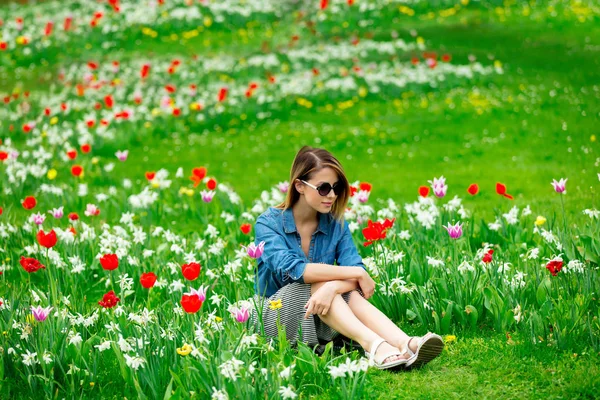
(423,191)
(145,70)
(76,170)
(191,303)
(191,271)
(0,210)
(47,240)
(324,4)
(501,190)
(148,279)
(29,202)
(30,264)
(109,300)
(73,216)
(446,58)
(222,94)
(365,186)
(376,231)
(48,30)
(487,257)
(3,155)
(554,266)
(473,189)
(108,100)
(109,262)
(72,154)
(150,175)
(67,23)
(197,175)
(246,228)
(211,184)
(85,148)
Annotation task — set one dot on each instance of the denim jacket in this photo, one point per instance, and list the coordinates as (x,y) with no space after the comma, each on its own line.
(283,260)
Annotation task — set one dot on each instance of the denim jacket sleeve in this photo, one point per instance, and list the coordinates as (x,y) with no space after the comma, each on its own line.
(346,253)
(277,256)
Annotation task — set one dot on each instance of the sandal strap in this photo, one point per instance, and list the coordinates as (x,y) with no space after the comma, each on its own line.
(374,348)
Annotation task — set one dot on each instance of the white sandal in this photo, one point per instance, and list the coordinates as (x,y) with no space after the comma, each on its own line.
(430,346)
(379,359)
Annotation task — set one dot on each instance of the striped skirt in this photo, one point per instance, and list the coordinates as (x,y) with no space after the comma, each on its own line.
(293,296)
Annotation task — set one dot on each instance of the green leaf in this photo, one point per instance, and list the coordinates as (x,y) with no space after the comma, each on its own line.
(445,328)
(169,391)
(473,315)
(543,290)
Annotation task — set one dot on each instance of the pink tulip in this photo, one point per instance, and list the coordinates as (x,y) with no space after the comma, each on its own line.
(283,187)
(207,195)
(38,218)
(122,155)
(256,251)
(57,212)
(455,231)
(240,314)
(201,293)
(560,186)
(40,313)
(439,186)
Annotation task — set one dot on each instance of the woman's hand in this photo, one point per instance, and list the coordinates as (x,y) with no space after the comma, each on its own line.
(320,301)
(367,284)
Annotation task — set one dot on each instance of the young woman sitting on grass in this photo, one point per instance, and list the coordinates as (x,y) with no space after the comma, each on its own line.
(303,238)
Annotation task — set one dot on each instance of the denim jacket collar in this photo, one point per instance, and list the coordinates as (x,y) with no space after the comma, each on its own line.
(289,225)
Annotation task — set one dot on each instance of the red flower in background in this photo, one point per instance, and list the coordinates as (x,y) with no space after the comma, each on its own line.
(73,216)
(3,155)
(222,94)
(47,240)
(191,271)
(501,190)
(365,186)
(245,228)
(109,300)
(76,170)
(30,264)
(109,262)
(554,266)
(353,190)
(29,202)
(376,231)
(423,191)
(85,148)
(197,175)
(473,189)
(150,175)
(0,210)
(145,70)
(148,279)
(72,154)
(487,257)
(191,303)
(211,184)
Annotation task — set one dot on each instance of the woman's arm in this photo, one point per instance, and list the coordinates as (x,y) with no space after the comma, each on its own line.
(315,272)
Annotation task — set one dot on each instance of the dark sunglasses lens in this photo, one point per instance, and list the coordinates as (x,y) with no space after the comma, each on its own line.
(325,188)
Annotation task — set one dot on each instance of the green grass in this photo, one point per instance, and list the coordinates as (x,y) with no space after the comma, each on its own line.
(520,142)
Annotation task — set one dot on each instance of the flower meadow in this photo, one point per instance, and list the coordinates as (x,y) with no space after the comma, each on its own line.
(115,282)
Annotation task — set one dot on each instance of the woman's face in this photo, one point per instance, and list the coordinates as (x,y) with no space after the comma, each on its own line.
(322,204)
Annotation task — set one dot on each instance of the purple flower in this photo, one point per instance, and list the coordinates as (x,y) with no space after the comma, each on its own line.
(560,186)
(122,155)
(439,186)
(57,212)
(283,187)
(455,231)
(255,251)
(363,196)
(201,293)
(240,314)
(38,218)
(207,195)
(40,313)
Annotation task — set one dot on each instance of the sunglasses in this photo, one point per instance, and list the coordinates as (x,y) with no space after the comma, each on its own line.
(325,188)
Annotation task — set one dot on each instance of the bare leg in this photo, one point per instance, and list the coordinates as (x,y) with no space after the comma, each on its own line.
(378,322)
(341,318)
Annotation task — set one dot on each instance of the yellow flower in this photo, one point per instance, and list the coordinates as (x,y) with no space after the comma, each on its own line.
(593,138)
(95,160)
(275,304)
(540,220)
(218,319)
(449,339)
(52,174)
(207,21)
(92,384)
(184,350)
(155,184)
(30,319)
(53,120)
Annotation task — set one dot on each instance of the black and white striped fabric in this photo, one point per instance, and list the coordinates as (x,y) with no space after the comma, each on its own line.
(291,315)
